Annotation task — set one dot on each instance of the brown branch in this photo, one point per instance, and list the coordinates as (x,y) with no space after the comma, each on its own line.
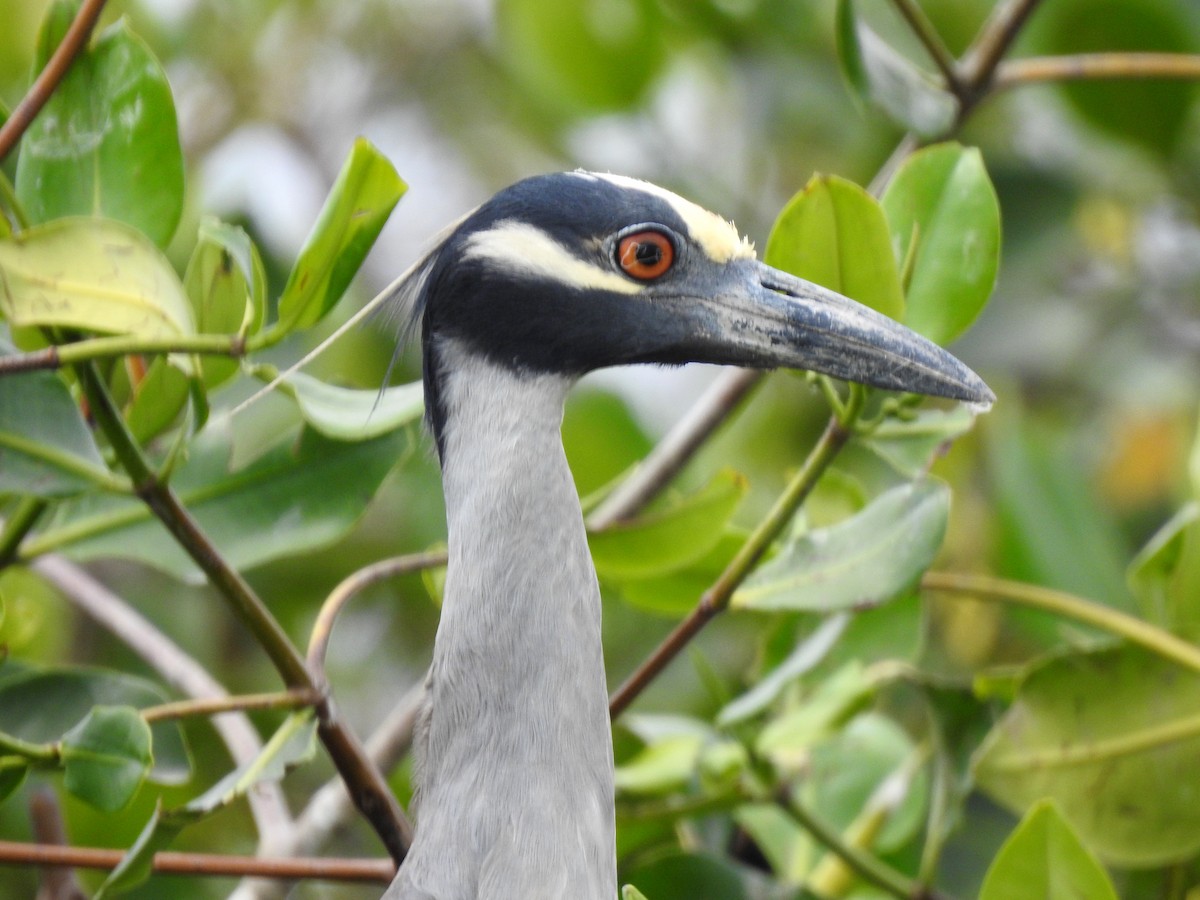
(979,63)
(51,76)
(365,782)
(33,361)
(215,706)
(716,599)
(1096,66)
(378,871)
(322,630)
(931,41)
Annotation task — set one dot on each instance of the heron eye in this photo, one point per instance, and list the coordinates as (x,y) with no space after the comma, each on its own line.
(645,255)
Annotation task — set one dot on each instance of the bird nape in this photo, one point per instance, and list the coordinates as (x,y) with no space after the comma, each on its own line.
(551,278)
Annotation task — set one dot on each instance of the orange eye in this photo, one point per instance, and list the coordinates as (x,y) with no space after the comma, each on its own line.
(645,255)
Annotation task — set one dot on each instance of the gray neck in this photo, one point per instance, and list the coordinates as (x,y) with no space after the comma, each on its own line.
(515,786)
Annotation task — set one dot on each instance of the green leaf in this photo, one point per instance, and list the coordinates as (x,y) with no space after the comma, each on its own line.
(227,287)
(629,892)
(834,233)
(94,274)
(107,142)
(942,201)
(908,445)
(807,655)
(870,558)
(106,757)
(13,770)
(293,499)
(583,57)
(849,51)
(674,594)
(46,448)
(137,864)
(1112,737)
(158,398)
(1044,858)
(669,537)
(41,705)
(787,739)
(293,743)
(359,203)
(661,767)
(346,414)
(1165,574)
(697,876)
(868,769)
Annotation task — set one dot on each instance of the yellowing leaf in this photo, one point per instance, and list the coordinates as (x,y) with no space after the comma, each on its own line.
(92,274)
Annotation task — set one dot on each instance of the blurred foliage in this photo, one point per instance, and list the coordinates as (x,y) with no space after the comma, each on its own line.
(878,720)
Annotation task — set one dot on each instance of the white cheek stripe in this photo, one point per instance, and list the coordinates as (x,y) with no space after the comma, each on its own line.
(718,238)
(528,251)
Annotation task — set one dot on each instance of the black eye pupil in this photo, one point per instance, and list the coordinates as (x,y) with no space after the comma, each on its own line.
(649,254)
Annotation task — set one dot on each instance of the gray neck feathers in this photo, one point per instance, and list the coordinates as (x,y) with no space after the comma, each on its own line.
(515,780)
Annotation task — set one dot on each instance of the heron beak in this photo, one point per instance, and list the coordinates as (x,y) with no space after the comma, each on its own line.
(772,319)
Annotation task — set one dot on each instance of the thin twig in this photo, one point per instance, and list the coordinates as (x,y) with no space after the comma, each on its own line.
(322,630)
(367,785)
(268,807)
(76,352)
(216,706)
(378,871)
(867,866)
(931,41)
(979,63)
(51,76)
(715,600)
(1096,66)
(1136,631)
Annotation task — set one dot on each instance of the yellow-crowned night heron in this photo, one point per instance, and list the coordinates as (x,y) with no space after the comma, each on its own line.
(551,278)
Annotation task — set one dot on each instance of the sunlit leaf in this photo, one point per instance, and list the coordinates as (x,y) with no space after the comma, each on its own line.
(1112,737)
(1044,858)
(94,274)
(674,594)
(41,705)
(671,536)
(942,200)
(661,767)
(46,448)
(359,203)
(106,143)
(629,892)
(106,756)
(834,233)
(867,559)
(347,414)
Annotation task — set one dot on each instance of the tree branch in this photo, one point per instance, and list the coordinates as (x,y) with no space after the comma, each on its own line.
(1136,631)
(76,352)
(376,871)
(931,41)
(51,76)
(716,598)
(1095,67)
(366,783)
(979,63)
(216,706)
